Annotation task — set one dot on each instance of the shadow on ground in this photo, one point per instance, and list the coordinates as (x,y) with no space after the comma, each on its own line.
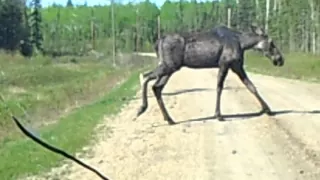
(242,116)
(245,116)
(184,91)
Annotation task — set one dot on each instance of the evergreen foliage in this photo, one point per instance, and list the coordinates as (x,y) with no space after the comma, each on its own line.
(294,24)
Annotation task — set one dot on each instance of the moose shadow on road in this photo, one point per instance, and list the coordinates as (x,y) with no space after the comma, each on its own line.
(184,91)
(227,117)
(240,116)
(246,116)
(196,90)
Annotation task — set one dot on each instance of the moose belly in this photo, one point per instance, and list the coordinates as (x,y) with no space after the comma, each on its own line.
(202,55)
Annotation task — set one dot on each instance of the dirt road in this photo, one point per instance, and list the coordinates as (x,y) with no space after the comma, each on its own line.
(246,147)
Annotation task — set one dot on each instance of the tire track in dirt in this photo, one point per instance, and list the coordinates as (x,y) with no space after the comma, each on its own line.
(242,148)
(299,120)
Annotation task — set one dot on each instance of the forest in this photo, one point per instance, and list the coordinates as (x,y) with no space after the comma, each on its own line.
(69,29)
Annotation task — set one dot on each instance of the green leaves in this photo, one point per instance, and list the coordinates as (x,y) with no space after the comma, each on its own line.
(136,25)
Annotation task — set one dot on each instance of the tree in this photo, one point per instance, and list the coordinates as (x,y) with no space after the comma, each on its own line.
(26,47)
(293,24)
(12,27)
(36,21)
(69,3)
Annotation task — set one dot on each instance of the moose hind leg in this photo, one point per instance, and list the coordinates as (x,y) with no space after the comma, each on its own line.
(246,81)
(157,90)
(152,75)
(143,75)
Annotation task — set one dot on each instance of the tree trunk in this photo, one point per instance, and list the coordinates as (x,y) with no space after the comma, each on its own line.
(306,42)
(159,27)
(229,17)
(312,26)
(258,11)
(266,27)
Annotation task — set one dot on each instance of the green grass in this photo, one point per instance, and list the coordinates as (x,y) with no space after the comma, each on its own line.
(23,156)
(297,66)
(46,88)
(42,90)
(58,98)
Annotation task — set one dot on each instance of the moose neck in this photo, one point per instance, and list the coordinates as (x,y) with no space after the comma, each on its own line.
(248,40)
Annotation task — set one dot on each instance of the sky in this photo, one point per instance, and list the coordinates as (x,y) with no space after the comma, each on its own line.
(45,3)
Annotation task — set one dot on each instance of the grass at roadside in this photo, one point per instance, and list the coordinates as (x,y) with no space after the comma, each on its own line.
(41,90)
(47,88)
(22,156)
(48,85)
(297,66)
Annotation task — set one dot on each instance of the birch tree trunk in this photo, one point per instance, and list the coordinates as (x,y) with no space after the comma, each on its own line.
(312,26)
(318,29)
(266,26)
(229,17)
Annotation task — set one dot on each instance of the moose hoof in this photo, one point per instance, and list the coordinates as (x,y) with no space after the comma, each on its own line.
(141,110)
(268,112)
(171,122)
(219,117)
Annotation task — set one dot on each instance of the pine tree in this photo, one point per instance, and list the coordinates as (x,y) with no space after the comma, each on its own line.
(26,48)
(245,14)
(11,24)
(36,21)
(69,3)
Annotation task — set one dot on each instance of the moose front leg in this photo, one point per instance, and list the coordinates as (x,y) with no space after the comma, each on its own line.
(223,72)
(246,81)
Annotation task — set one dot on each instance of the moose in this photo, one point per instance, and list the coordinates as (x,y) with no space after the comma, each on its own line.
(220,47)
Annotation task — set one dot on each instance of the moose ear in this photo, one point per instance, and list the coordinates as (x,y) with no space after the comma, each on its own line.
(257,29)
